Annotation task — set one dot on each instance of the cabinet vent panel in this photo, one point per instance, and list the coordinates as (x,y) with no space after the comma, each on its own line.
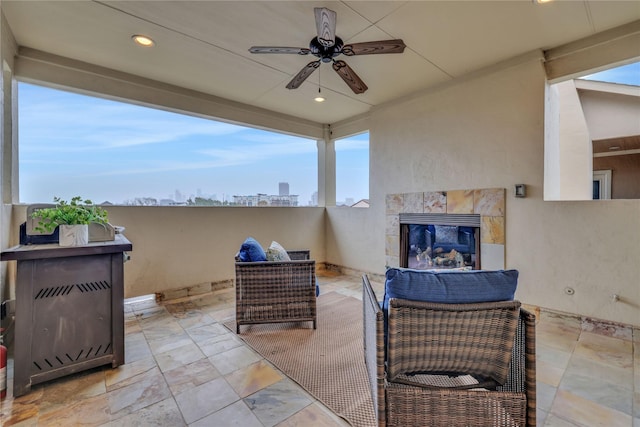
(53,361)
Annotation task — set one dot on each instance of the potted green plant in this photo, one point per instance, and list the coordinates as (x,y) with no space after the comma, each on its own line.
(73,218)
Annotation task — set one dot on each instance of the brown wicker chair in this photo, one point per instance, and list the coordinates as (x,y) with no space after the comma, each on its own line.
(450,364)
(276,291)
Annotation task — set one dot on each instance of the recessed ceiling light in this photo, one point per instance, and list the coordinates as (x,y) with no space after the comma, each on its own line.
(542,1)
(143,40)
(319,99)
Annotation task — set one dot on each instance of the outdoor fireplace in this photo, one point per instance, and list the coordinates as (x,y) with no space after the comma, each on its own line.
(470,221)
(439,241)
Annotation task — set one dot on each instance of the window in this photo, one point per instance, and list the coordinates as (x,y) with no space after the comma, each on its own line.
(602,185)
(352,171)
(116,152)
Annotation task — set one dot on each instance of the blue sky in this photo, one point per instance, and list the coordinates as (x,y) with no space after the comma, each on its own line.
(627,74)
(104,150)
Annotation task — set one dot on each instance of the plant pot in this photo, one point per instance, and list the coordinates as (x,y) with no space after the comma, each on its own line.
(74,235)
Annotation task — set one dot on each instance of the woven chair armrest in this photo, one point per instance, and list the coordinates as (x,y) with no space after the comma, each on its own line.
(299,254)
(373,325)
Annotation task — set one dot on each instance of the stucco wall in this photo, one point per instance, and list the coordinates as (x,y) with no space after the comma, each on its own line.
(179,247)
(488,132)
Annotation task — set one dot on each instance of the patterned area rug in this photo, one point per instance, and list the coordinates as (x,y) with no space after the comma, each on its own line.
(327,362)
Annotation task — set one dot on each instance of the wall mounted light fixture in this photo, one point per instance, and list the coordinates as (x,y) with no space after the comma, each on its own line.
(521,190)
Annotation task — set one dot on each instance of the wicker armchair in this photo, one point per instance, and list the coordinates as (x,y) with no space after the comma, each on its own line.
(276,291)
(450,364)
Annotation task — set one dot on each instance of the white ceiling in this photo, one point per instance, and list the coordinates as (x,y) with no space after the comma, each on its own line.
(203,45)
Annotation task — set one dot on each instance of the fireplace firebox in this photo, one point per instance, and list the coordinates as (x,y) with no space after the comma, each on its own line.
(439,241)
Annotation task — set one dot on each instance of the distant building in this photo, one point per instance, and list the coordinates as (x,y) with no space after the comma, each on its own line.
(362,203)
(266,200)
(314,199)
(283,188)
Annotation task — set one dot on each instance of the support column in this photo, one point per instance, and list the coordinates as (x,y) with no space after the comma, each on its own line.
(326,169)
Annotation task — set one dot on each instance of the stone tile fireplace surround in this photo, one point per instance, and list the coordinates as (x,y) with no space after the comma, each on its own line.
(489,203)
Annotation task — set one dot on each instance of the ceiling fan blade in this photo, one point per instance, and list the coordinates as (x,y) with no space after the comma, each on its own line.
(371,48)
(279,49)
(303,74)
(349,76)
(326,24)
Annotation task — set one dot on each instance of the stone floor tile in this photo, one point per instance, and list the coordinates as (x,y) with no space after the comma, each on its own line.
(180,309)
(585,412)
(246,381)
(555,421)
(545,395)
(22,410)
(131,326)
(205,399)
(220,313)
(159,331)
(67,390)
(163,413)
(152,315)
(599,372)
(190,376)
(220,344)
(234,359)
(195,319)
(548,374)
(207,332)
(117,377)
(277,402)
(136,347)
(541,416)
(169,342)
(610,395)
(141,391)
(90,411)
(604,349)
(179,357)
(235,415)
(560,320)
(313,415)
(558,338)
(552,356)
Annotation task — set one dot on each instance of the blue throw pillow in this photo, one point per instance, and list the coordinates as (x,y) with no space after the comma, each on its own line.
(251,251)
(450,287)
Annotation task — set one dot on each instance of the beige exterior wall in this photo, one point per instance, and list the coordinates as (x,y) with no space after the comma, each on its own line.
(180,247)
(488,132)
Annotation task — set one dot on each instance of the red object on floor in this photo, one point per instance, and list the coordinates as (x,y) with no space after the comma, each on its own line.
(3,371)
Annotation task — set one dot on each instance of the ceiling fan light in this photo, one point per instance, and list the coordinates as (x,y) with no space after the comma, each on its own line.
(319,98)
(141,40)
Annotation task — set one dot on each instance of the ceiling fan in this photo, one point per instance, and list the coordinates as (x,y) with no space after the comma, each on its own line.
(326,46)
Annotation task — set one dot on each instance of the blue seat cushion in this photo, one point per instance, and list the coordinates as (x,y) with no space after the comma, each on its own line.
(450,287)
(251,251)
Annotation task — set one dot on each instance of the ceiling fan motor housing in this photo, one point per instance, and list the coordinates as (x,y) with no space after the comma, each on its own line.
(326,54)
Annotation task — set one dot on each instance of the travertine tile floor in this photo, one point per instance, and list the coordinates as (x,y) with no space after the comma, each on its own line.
(183,367)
